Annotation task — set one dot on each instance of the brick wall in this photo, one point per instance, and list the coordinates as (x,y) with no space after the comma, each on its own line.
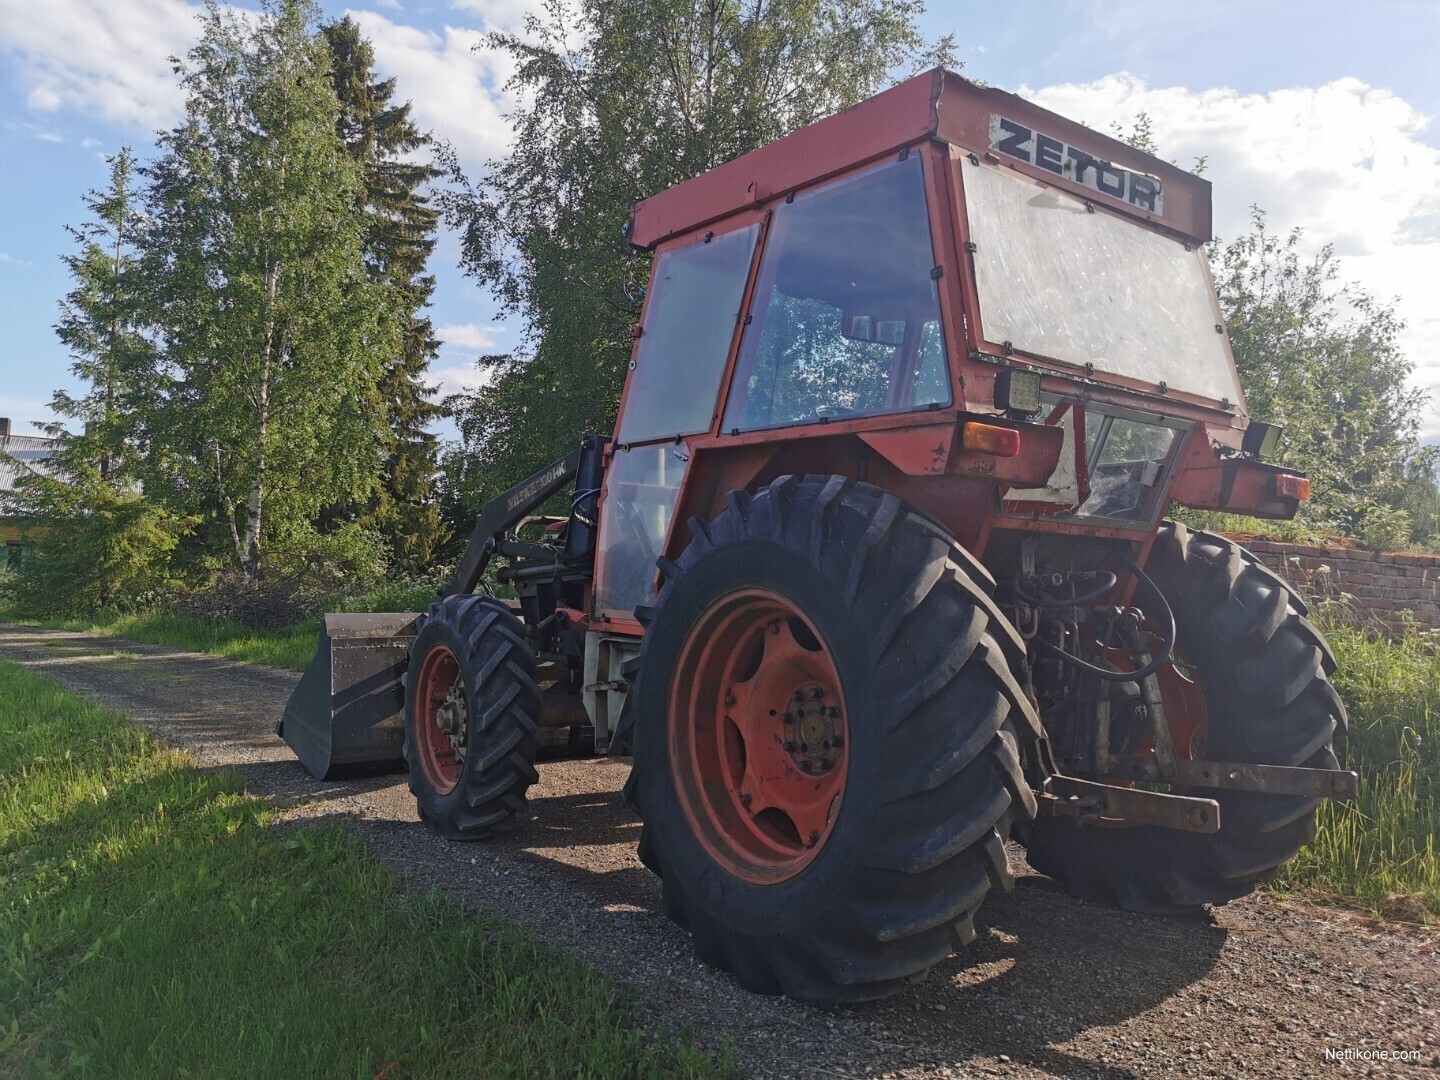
(1393,592)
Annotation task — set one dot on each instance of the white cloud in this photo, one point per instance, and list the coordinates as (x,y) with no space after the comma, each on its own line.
(456,90)
(392,5)
(454,379)
(100,57)
(1345,162)
(468,336)
(500,14)
(50,137)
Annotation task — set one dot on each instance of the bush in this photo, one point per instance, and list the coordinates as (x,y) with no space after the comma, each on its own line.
(1385,528)
(115,554)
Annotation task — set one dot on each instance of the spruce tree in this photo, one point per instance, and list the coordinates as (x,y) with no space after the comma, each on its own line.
(101,544)
(399,235)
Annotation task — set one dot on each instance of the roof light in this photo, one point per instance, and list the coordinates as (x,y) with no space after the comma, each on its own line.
(1018,391)
(989,439)
(1261,439)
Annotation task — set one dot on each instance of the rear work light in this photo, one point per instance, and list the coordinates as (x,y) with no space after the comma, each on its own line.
(1292,487)
(989,439)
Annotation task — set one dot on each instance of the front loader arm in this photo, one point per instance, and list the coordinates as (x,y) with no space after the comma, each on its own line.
(501,513)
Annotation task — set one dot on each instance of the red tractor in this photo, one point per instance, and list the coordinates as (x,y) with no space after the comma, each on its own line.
(872,576)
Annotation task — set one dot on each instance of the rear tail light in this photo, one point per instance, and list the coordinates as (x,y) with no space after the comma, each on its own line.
(1292,487)
(989,439)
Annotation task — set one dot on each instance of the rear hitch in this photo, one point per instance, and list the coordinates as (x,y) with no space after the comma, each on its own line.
(1090,803)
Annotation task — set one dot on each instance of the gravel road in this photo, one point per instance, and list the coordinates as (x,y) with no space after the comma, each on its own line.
(1051,987)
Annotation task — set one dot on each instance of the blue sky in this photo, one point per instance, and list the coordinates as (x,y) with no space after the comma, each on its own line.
(1320,112)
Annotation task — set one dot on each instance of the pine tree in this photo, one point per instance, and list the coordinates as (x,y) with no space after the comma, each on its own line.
(400,231)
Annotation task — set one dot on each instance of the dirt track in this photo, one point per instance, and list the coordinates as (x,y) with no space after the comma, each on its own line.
(1051,987)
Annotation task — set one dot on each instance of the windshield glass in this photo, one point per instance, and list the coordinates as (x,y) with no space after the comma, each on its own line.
(1057,280)
(690,317)
(846,319)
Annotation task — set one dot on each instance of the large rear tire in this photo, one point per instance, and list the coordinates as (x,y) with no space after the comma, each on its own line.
(470,707)
(827,740)
(1263,671)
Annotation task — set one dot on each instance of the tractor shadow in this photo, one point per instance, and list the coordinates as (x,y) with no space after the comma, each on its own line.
(1044,968)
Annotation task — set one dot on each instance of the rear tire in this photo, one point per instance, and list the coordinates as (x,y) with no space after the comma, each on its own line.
(476,645)
(847,585)
(1263,670)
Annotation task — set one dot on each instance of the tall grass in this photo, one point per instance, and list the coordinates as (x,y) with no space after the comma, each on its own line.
(1380,850)
(154,921)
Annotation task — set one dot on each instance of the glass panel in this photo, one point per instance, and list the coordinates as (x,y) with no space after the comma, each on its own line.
(690,319)
(1125,480)
(847,316)
(641,487)
(1058,281)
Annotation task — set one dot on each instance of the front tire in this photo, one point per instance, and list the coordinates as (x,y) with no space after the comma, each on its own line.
(1263,671)
(470,707)
(827,740)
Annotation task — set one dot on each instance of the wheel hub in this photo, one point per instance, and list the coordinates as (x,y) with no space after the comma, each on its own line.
(452,718)
(813,730)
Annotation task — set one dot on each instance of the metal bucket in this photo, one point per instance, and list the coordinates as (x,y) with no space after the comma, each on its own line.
(346,716)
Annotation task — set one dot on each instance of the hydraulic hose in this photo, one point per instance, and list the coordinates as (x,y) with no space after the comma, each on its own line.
(1071,601)
(1149,669)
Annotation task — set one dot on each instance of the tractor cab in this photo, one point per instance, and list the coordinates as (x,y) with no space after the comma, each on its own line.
(1038,290)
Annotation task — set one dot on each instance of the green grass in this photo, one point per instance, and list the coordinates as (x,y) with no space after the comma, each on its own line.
(289,647)
(155,921)
(1381,851)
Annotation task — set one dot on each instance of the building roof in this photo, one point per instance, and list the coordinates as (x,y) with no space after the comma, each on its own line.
(22,454)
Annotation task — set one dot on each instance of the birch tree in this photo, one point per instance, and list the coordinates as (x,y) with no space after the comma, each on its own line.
(273,333)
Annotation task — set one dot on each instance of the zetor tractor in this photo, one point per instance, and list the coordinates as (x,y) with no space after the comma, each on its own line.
(872,576)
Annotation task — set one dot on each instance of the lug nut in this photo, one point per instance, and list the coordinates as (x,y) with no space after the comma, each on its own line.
(790,746)
(817,693)
(745,798)
(729,699)
(837,741)
(773,628)
(813,839)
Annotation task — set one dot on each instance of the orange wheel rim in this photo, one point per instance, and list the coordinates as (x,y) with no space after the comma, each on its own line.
(758,736)
(439,759)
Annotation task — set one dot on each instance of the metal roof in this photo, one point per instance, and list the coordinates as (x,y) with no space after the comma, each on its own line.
(21,454)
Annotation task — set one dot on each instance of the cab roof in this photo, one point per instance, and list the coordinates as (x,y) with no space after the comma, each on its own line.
(939,105)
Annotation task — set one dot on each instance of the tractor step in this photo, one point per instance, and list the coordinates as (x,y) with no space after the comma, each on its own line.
(346,715)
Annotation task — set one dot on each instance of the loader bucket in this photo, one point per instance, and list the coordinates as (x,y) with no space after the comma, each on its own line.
(345,718)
